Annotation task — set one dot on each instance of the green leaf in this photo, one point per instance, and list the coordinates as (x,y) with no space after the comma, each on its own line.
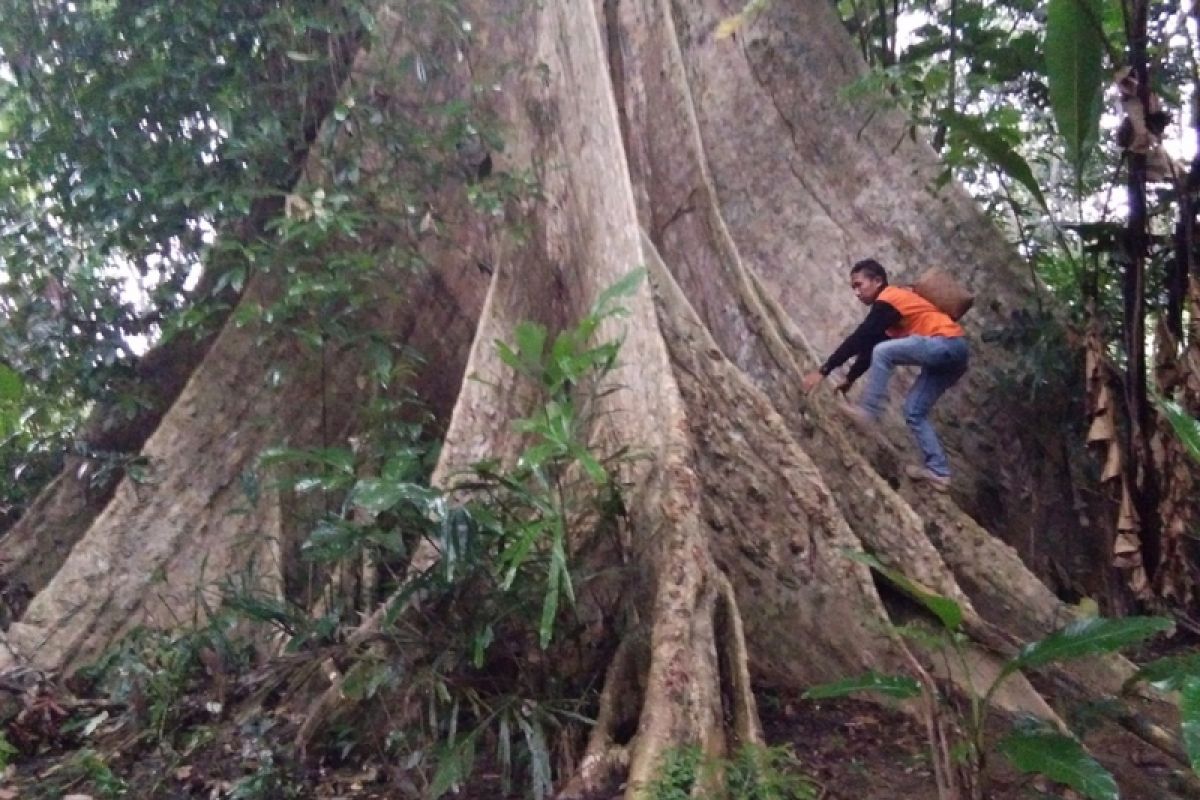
(1061,759)
(11,385)
(508,355)
(539,758)
(375,495)
(589,463)
(504,755)
(454,766)
(1186,427)
(550,603)
(558,553)
(535,457)
(332,539)
(338,459)
(1074,50)
(482,641)
(622,288)
(949,612)
(1171,673)
(1087,637)
(901,687)
(365,678)
(382,362)
(7,751)
(515,554)
(999,152)
(1189,714)
(531,342)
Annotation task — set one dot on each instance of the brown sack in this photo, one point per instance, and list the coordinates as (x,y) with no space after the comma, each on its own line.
(944,291)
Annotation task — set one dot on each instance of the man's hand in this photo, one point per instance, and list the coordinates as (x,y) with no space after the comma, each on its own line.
(811,381)
(843,386)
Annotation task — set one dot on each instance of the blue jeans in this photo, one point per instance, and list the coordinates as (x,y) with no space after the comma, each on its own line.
(942,361)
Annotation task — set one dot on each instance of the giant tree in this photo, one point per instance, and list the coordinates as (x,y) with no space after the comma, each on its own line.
(733,170)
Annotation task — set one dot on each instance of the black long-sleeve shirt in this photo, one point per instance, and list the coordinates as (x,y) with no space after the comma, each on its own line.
(869,333)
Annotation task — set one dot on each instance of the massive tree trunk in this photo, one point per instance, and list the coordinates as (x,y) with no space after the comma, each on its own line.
(737,175)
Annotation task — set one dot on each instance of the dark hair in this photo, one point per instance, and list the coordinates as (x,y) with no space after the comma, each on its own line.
(872,268)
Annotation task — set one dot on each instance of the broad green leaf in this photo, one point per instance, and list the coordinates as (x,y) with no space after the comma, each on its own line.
(898,686)
(1087,637)
(11,385)
(7,751)
(1074,50)
(375,495)
(1171,673)
(1062,759)
(454,766)
(531,341)
(565,346)
(332,539)
(1189,714)
(1186,427)
(305,485)
(999,152)
(945,609)
(339,459)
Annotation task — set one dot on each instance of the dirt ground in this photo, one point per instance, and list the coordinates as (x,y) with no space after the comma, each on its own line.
(849,749)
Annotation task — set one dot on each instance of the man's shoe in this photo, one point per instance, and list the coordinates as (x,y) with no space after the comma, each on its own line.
(857,416)
(939,483)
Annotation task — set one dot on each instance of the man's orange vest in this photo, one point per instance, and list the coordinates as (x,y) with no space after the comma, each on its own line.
(918,316)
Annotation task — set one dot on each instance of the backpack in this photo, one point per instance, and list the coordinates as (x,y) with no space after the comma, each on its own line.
(944,291)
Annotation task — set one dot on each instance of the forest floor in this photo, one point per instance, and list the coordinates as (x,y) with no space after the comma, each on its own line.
(846,749)
(219,741)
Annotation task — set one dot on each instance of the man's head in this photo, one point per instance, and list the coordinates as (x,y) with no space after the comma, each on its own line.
(867,279)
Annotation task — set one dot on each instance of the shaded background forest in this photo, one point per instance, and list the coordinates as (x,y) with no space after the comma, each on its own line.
(151,171)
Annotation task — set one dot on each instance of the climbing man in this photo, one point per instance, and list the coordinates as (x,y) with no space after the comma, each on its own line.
(902,328)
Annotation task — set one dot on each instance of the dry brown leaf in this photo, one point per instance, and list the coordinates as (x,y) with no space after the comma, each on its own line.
(1127,543)
(1103,400)
(1139,582)
(1112,464)
(1102,429)
(1127,519)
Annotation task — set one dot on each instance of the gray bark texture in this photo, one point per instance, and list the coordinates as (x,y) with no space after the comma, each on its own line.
(737,174)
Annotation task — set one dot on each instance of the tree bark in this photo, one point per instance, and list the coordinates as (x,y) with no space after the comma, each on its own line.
(733,171)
